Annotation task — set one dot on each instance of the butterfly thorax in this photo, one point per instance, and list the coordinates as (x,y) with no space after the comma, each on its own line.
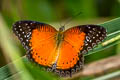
(59,37)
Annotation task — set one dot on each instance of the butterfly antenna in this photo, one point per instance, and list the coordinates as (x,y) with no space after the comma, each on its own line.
(71,18)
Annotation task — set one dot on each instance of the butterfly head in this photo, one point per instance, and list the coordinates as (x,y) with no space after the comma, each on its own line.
(62,28)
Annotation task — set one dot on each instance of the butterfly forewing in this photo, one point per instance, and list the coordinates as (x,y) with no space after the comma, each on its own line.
(94,34)
(23,30)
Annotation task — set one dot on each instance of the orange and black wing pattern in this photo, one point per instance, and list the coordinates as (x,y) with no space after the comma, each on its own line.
(60,52)
(24,30)
(69,49)
(38,39)
(94,34)
(78,41)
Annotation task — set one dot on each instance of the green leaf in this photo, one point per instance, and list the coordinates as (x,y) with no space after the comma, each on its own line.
(4,72)
(112,25)
(109,76)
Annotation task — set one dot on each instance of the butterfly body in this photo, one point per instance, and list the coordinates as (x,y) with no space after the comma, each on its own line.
(60,51)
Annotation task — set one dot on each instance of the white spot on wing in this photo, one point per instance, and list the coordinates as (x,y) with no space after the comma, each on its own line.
(26,24)
(19,26)
(15,29)
(31,23)
(28,27)
(99,32)
(20,29)
(27,40)
(23,32)
(24,36)
(94,29)
(97,35)
(88,27)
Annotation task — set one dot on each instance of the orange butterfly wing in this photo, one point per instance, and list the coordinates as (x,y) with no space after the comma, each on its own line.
(77,41)
(38,39)
(43,45)
(69,50)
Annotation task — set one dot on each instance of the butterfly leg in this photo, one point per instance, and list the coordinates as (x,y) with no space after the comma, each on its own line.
(54,66)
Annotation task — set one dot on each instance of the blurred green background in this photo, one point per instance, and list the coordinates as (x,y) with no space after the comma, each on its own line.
(56,11)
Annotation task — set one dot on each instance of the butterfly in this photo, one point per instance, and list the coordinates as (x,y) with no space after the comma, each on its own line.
(60,51)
